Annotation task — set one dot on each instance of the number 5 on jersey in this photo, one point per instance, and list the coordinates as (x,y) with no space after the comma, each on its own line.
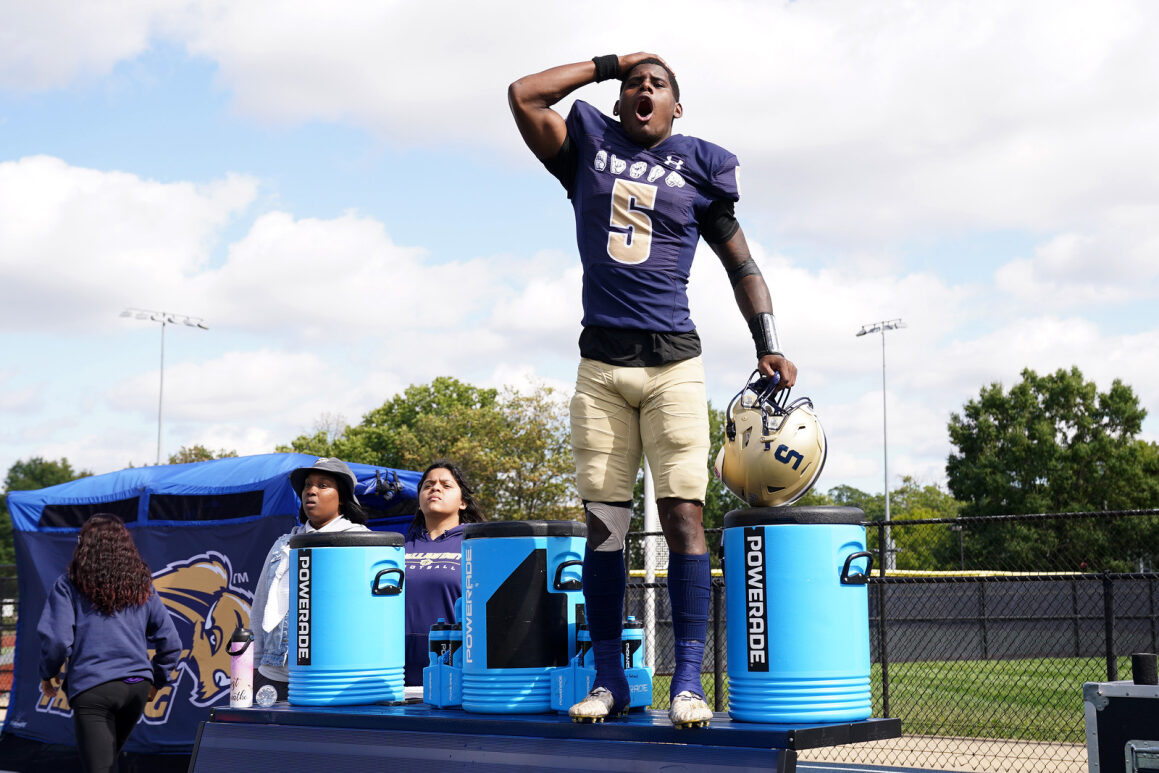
(629,200)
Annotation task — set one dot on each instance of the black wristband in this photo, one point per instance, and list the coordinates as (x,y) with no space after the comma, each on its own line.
(748,268)
(607,67)
(764,334)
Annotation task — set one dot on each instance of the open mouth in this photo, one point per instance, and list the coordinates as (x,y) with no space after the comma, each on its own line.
(644,109)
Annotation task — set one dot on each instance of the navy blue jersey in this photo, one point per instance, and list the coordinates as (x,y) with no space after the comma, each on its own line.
(637,213)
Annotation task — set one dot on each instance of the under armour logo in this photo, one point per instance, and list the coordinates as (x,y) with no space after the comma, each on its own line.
(676,163)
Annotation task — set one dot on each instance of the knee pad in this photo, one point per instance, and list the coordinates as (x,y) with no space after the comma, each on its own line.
(607,524)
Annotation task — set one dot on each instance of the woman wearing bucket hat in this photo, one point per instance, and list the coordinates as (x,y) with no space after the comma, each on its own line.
(326,490)
(433,555)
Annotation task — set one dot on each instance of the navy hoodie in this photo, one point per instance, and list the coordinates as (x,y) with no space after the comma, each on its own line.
(101,648)
(433,585)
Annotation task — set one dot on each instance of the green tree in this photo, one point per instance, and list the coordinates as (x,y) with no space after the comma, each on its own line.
(718,500)
(927,546)
(873,505)
(1052,443)
(917,547)
(29,475)
(513,447)
(443,419)
(198,453)
(328,429)
(535,472)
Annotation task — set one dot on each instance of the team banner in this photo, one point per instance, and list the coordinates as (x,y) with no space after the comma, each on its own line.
(204,572)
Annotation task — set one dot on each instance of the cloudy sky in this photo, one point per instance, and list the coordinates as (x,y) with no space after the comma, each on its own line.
(338,190)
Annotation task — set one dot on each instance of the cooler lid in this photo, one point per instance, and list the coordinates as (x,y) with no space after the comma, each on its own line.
(808,514)
(525,529)
(347,539)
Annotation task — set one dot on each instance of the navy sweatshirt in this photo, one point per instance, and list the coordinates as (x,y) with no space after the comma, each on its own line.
(433,585)
(100,648)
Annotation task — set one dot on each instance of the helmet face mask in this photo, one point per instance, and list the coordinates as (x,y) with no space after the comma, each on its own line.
(773,450)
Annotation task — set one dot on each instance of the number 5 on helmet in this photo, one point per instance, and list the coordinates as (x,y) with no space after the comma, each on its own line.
(773,450)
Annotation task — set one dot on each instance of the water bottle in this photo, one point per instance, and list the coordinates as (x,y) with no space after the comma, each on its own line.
(267,696)
(439,642)
(639,675)
(632,640)
(583,647)
(241,669)
(443,678)
(455,656)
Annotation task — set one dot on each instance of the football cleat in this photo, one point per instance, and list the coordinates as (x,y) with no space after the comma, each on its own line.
(689,710)
(596,707)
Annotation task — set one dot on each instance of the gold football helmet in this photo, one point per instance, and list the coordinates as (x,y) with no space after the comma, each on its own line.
(773,450)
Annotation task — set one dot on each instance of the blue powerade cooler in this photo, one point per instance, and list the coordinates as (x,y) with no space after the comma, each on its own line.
(347,643)
(798,614)
(522,596)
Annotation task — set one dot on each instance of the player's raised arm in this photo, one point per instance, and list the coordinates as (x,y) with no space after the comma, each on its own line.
(532,96)
(755,303)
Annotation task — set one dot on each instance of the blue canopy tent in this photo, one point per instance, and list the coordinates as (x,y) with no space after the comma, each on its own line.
(204,529)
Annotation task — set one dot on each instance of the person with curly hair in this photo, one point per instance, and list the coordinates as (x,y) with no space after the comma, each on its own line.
(102,616)
(434,544)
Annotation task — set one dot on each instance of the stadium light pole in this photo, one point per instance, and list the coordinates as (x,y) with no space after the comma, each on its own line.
(881,327)
(165,318)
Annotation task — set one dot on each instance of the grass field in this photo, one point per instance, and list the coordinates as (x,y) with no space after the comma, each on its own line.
(1031,700)
(1034,700)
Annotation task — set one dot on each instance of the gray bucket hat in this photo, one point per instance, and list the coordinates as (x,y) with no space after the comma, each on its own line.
(335,467)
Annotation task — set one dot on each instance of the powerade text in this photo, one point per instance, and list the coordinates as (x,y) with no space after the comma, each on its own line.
(303,638)
(756,608)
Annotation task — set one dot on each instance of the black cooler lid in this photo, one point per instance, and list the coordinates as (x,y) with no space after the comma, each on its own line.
(807,514)
(347,539)
(525,529)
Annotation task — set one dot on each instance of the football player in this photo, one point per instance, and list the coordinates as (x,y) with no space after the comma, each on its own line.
(643,197)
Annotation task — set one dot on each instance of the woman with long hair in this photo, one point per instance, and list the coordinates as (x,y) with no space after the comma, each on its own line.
(326,490)
(433,548)
(102,616)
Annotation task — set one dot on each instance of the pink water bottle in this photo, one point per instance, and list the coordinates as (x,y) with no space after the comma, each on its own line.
(241,669)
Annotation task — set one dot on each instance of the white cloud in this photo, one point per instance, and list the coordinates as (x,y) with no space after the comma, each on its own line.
(250,401)
(48,44)
(546,300)
(863,129)
(76,243)
(853,120)
(15,398)
(1113,263)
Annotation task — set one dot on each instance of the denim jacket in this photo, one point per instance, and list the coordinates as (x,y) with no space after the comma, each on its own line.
(271,600)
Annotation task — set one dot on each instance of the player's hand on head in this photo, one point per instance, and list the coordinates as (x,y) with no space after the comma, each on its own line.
(628,61)
(784,369)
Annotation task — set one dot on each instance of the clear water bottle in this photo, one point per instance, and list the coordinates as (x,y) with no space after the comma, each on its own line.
(267,696)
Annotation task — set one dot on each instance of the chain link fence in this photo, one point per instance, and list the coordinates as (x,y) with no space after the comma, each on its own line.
(981,637)
(8,612)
